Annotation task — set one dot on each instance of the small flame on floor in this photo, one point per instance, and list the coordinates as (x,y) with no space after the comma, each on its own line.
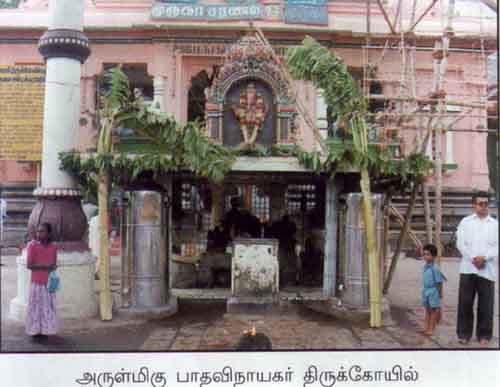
(251,332)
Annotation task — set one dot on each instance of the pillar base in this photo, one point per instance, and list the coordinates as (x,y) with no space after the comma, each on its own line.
(77,297)
(153,312)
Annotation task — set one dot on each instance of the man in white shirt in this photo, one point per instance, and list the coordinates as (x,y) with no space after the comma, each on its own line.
(477,241)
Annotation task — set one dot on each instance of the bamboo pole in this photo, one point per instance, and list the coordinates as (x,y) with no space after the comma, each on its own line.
(373,263)
(413,11)
(104,147)
(427,100)
(431,5)
(368,19)
(438,198)
(401,239)
(385,251)
(398,17)
(386,17)
(438,160)
(298,99)
(427,213)
(401,220)
(104,267)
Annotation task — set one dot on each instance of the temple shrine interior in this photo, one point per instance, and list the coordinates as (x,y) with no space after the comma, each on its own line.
(205,222)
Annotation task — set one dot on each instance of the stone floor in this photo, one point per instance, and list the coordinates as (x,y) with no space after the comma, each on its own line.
(206,327)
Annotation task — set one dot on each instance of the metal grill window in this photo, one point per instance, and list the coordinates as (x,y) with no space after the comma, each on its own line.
(300,197)
(260,204)
(186,194)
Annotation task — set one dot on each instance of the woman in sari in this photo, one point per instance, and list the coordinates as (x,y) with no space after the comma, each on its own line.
(41,319)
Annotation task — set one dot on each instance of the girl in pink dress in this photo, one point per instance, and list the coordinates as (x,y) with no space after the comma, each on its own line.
(41,319)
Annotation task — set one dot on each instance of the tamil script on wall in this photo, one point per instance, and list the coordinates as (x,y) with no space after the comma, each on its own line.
(22,90)
(213,12)
(295,11)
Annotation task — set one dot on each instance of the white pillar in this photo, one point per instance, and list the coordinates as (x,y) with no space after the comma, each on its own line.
(60,121)
(66,14)
(64,48)
(159,92)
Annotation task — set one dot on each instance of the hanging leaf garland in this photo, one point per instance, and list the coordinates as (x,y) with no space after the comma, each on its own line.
(186,148)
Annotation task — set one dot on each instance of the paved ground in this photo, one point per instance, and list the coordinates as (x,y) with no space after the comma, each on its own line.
(198,326)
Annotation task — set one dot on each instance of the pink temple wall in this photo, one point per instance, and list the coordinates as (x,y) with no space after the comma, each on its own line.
(176,69)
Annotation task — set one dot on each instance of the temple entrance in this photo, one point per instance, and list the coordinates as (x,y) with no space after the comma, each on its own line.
(207,220)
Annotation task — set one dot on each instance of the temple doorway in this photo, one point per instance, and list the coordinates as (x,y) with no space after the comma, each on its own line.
(206,220)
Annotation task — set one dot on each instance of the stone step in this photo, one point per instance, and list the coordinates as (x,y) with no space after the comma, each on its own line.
(6,251)
(20,206)
(13,222)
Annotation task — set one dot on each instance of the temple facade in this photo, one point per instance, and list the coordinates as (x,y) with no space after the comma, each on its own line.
(173,51)
(221,63)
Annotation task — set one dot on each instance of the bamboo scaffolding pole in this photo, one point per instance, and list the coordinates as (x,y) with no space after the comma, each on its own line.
(368,20)
(401,239)
(386,16)
(431,5)
(398,17)
(450,82)
(400,219)
(442,54)
(438,200)
(427,213)
(413,11)
(385,252)
(298,100)
(427,100)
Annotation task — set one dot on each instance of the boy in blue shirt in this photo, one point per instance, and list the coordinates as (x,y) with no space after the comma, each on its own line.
(432,290)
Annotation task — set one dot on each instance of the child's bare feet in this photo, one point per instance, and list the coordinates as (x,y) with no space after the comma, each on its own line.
(429,333)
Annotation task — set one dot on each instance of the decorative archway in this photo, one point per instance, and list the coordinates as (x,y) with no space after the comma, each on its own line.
(249,103)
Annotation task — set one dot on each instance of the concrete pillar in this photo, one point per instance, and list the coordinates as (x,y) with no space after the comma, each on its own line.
(159,92)
(64,48)
(331,229)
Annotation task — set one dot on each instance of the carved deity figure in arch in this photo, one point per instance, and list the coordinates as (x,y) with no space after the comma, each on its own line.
(251,113)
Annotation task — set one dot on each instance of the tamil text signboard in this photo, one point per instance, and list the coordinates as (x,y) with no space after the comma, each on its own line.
(214,12)
(22,90)
(306,12)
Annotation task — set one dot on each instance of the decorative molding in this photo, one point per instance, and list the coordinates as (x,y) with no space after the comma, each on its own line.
(65,214)
(250,60)
(57,192)
(64,43)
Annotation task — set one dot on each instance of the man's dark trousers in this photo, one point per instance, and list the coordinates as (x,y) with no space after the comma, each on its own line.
(470,284)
